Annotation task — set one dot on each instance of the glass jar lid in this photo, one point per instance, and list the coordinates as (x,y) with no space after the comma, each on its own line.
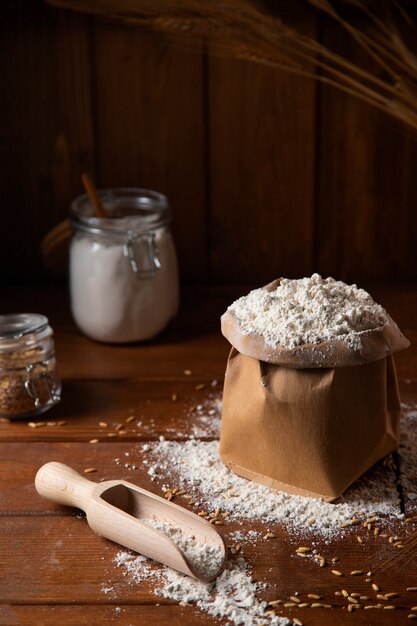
(22,330)
(129,210)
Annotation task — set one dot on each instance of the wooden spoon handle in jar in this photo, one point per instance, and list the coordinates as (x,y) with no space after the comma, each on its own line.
(93,195)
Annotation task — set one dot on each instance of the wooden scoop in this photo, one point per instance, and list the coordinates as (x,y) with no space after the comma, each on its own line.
(114,509)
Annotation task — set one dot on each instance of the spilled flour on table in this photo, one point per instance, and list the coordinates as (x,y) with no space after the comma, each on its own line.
(195,467)
(232,595)
(137,566)
(203,417)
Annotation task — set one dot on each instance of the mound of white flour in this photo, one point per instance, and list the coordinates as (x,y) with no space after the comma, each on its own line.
(233,595)
(196,466)
(308,310)
(206,559)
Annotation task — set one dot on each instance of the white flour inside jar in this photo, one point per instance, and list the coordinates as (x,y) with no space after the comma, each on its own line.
(308,311)
(108,300)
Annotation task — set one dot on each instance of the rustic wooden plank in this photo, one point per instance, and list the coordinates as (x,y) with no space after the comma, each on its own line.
(63,545)
(115,461)
(150,124)
(112,460)
(86,615)
(46,132)
(73,565)
(118,460)
(86,403)
(139,410)
(20,464)
(262,130)
(116,456)
(162,359)
(367,225)
(143,615)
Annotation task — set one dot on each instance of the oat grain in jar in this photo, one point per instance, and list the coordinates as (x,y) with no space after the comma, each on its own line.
(29,380)
(123,267)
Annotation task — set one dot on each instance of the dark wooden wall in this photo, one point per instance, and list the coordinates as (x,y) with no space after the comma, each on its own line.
(268,174)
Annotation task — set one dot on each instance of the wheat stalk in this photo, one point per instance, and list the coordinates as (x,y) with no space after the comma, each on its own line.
(238,28)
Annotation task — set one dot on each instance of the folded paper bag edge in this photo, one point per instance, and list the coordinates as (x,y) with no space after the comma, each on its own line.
(375,345)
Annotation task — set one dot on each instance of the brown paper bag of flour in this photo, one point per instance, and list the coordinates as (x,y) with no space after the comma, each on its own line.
(297,421)
(308,432)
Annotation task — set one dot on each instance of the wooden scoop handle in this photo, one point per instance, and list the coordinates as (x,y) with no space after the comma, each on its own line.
(61,484)
(93,195)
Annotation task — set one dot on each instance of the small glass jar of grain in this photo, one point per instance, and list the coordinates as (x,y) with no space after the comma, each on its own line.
(29,380)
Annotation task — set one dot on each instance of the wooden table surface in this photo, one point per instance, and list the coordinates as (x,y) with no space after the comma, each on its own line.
(54,568)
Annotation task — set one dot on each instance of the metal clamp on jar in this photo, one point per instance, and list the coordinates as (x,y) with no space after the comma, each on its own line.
(123,267)
(29,380)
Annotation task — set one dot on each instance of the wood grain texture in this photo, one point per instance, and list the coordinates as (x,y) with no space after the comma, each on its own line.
(121,460)
(268,174)
(54,568)
(150,127)
(262,141)
(137,361)
(86,403)
(46,131)
(21,462)
(366,218)
(175,616)
(63,545)
(112,613)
